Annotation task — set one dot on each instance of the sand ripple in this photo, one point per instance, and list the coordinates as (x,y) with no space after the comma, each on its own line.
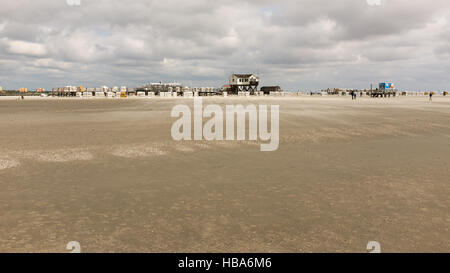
(62,155)
(185,148)
(138,150)
(6,163)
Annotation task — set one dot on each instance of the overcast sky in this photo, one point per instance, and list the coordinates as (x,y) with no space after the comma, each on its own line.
(297,44)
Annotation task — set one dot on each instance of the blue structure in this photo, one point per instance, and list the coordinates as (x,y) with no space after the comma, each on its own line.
(386,86)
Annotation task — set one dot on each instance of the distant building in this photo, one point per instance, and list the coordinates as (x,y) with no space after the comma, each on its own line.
(268,89)
(225,88)
(40,90)
(243,83)
(65,91)
(1,89)
(23,90)
(157,88)
(70,89)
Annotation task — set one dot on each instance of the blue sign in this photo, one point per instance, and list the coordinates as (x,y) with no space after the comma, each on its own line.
(384,86)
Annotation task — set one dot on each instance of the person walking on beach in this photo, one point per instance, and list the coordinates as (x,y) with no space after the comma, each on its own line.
(431,96)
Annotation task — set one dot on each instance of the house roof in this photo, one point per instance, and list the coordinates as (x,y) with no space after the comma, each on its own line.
(243,75)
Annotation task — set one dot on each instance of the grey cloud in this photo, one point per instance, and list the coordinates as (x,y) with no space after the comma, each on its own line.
(299,44)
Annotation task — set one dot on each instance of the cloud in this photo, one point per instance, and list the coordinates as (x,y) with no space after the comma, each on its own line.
(26,48)
(298,44)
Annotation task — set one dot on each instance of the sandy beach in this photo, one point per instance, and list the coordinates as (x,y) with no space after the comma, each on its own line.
(106,173)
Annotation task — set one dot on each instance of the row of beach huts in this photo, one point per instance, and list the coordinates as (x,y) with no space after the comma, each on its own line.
(170,92)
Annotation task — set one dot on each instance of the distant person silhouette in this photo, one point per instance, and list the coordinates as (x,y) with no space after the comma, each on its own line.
(431,96)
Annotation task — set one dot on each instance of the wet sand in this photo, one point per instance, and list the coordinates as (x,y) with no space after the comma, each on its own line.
(106,173)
